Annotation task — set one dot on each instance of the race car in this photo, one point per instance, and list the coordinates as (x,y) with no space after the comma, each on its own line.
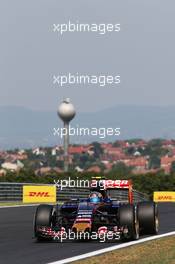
(109,211)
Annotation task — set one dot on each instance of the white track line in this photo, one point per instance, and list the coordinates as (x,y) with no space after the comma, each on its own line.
(14,206)
(104,250)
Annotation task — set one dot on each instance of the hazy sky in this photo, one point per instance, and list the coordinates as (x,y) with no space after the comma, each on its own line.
(143,53)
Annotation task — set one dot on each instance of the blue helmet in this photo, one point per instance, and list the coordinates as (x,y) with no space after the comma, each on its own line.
(95,197)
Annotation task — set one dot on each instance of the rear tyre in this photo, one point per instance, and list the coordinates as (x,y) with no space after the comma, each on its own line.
(43,218)
(128,218)
(148,218)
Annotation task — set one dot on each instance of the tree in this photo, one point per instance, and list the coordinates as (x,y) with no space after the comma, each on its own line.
(98,151)
(173,167)
(154,162)
(116,144)
(130,151)
(120,170)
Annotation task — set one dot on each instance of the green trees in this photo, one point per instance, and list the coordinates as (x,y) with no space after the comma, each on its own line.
(154,162)
(121,170)
(173,167)
(97,149)
(147,183)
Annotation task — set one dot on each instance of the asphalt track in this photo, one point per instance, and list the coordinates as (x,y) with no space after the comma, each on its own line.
(18,247)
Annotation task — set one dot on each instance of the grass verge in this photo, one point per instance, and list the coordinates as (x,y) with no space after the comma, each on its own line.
(160,251)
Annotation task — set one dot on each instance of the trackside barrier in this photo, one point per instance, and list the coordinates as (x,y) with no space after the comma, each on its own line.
(13,192)
(164,197)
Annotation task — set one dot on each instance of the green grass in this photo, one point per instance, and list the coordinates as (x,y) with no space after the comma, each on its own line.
(160,251)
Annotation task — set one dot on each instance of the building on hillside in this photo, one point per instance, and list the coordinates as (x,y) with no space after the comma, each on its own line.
(14,167)
(78,169)
(166,162)
(47,170)
(94,168)
(38,151)
(3,172)
(138,163)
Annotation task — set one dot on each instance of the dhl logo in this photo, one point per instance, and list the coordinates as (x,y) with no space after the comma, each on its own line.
(39,194)
(164,196)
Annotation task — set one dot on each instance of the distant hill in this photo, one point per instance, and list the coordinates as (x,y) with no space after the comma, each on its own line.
(22,127)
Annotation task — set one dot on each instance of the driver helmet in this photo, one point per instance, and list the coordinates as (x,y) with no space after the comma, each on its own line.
(95,197)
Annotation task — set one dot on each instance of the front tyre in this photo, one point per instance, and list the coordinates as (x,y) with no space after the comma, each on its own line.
(42,218)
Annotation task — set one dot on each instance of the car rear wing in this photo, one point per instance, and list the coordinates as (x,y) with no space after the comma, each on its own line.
(106,184)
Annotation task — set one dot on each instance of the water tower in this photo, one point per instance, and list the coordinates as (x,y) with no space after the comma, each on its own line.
(66,111)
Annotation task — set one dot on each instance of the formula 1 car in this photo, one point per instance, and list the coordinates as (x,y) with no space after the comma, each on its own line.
(109,211)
